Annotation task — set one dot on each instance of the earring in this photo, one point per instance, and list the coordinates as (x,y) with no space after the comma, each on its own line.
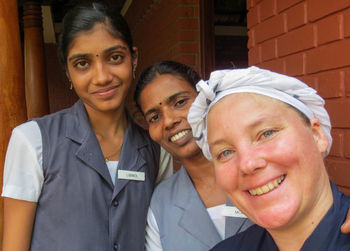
(133,73)
(71,85)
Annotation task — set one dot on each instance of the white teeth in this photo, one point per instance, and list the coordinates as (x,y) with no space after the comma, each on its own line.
(267,187)
(179,135)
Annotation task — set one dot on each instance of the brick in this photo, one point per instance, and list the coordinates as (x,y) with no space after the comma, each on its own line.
(347,83)
(339,110)
(329,29)
(254,56)
(320,8)
(346,23)
(331,84)
(328,57)
(296,40)
(284,4)
(268,50)
(250,4)
(272,27)
(189,59)
(267,9)
(339,171)
(251,38)
(253,17)
(344,190)
(296,16)
(295,64)
(337,145)
(310,80)
(347,144)
(276,65)
(183,47)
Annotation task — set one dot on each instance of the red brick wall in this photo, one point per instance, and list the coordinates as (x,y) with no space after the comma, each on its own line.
(309,39)
(165,30)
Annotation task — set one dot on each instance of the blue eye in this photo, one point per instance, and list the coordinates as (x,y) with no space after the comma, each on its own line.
(268,133)
(224,155)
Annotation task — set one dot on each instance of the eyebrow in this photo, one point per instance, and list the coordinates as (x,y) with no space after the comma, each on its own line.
(82,55)
(254,124)
(167,101)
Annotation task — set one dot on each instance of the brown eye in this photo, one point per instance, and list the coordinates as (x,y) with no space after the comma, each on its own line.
(154,118)
(180,102)
(82,65)
(115,58)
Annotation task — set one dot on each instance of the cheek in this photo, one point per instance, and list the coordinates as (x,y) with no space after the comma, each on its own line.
(226,176)
(155,133)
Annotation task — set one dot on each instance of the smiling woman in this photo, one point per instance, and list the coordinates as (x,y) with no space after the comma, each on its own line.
(267,135)
(82,178)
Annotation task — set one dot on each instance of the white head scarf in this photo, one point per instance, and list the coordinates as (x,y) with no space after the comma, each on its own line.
(259,81)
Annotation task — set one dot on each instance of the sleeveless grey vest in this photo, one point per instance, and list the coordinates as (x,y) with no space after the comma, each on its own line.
(79,209)
(183,220)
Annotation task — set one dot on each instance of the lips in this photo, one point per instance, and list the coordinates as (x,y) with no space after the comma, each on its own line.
(179,135)
(267,187)
(106,91)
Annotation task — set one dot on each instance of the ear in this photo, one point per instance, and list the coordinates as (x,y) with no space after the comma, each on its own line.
(319,135)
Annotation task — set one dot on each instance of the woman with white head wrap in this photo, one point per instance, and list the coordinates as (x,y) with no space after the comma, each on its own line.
(268,158)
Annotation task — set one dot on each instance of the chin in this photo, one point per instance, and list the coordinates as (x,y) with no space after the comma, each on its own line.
(275,217)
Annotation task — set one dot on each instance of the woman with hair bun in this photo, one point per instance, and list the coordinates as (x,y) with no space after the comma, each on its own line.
(82,178)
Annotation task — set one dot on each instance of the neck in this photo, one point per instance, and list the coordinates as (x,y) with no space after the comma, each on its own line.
(107,124)
(302,229)
(198,167)
(202,174)
(109,128)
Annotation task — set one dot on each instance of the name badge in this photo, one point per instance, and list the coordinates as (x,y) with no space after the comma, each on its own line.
(131,175)
(232,212)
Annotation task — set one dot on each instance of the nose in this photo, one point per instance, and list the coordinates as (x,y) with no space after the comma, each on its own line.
(101,74)
(170,119)
(251,161)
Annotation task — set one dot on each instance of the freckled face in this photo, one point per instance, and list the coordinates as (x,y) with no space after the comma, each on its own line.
(100,68)
(267,159)
(165,103)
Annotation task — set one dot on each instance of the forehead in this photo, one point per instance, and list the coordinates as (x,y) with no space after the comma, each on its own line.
(162,87)
(96,39)
(254,108)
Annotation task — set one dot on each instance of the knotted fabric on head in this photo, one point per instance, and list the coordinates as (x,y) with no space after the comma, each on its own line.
(259,81)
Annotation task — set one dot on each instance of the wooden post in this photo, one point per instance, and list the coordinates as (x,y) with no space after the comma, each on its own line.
(34,61)
(12,101)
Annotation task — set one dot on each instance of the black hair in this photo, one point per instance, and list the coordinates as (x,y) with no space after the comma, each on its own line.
(83,17)
(165,67)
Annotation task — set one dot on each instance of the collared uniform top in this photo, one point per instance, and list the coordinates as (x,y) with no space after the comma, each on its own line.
(182,221)
(78,206)
(326,237)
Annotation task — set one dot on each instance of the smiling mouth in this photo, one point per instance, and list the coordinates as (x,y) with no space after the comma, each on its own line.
(267,187)
(179,135)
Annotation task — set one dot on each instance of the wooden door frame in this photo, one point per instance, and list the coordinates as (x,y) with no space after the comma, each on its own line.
(207,38)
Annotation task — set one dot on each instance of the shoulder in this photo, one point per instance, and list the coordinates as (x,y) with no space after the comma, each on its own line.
(28,132)
(167,187)
(251,239)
